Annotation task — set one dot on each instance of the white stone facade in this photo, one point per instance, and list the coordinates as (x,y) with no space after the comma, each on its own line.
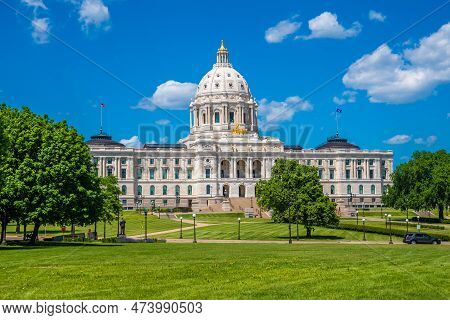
(224,156)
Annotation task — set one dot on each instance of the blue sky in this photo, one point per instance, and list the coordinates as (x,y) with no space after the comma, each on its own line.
(300,58)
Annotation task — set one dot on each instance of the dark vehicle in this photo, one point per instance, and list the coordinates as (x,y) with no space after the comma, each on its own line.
(413,238)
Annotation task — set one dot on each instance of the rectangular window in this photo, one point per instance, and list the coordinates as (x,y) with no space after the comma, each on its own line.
(347,174)
(331,174)
(359,161)
(347,162)
(208,173)
(123,161)
(139,161)
(370,174)
(383,162)
(164,161)
(189,173)
(165,203)
(189,162)
(370,162)
(109,171)
(383,174)
(123,173)
(320,173)
(319,162)
(152,173)
(124,203)
(139,173)
(109,160)
(231,117)
(217,117)
(177,161)
(177,173)
(308,162)
(152,161)
(165,173)
(359,171)
(331,162)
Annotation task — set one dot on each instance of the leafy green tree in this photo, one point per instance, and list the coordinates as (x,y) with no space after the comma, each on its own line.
(294,191)
(3,148)
(111,203)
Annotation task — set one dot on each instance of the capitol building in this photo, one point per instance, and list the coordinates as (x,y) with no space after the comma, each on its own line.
(216,167)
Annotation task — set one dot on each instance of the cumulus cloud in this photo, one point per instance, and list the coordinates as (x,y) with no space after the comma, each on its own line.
(35,4)
(133,142)
(272,112)
(95,13)
(428,141)
(40,29)
(281,30)
(376,16)
(171,95)
(406,77)
(398,139)
(348,96)
(162,122)
(326,25)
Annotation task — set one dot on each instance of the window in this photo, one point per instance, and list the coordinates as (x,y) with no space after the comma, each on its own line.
(231,117)
(165,173)
(139,161)
(347,162)
(164,161)
(308,162)
(372,189)
(177,161)
(204,118)
(383,162)
(123,173)
(383,174)
(320,173)
(319,162)
(332,190)
(361,189)
(245,118)
(189,173)
(124,203)
(371,173)
(139,190)
(359,161)
(165,203)
(359,172)
(370,162)
(349,189)
(208,189)
(109,160)
(164,190)
(177,190)
(139,173)
(331,174)
(216,117)
(152,161)
(152,173)
(123,161)
(177,173)
(152,190)
(124,189)
(109,171)
(347,174)
(331,162)
(207,173)
(189,190)
(189,161)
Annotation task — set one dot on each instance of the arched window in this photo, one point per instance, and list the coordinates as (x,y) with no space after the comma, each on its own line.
(152,190)
(139,190)
(165,190)
(208,189)
(216,117)
(361,189)
(189,190)
(372,189)
(124,189)
(204,118)
(332,190)
(349,189)
(177,190)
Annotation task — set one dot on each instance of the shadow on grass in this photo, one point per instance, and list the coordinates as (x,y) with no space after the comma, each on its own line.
(294,237)
(25,245)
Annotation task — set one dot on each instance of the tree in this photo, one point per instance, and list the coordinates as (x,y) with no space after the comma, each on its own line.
(423,183)
(295,190)
(3,148)
(111,203)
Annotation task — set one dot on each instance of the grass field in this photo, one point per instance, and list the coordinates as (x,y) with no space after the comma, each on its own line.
(224,271)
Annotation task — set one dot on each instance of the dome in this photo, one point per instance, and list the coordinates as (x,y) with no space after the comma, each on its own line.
(223,78)
(337,143)
(103,139)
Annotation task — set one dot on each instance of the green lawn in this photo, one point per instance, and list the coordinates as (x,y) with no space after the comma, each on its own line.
(224,271)
(135,225)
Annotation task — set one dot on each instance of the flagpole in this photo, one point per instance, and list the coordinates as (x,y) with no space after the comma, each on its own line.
(337,124)
(101,118)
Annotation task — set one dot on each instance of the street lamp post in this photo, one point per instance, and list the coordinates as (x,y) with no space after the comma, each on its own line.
(195,232)
(364,228)
(357,219)
(181,227)
(290,232)
(385,218)
(145,214)
(390,229)
(407,225)
(239,228)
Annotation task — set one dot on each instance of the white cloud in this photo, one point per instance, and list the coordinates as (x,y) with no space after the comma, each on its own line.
(448,115)
(35,4)
(427,141)
(171,95)
(348,96)
(133,142)
(40,29)
(93,12)
(398,139)
(403,78)
(162,122)
(272,112)
(326,25)
(377,16)
(281,30)
(164,140)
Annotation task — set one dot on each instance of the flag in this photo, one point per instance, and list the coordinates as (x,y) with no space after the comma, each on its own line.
(338,110)
(102,105)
